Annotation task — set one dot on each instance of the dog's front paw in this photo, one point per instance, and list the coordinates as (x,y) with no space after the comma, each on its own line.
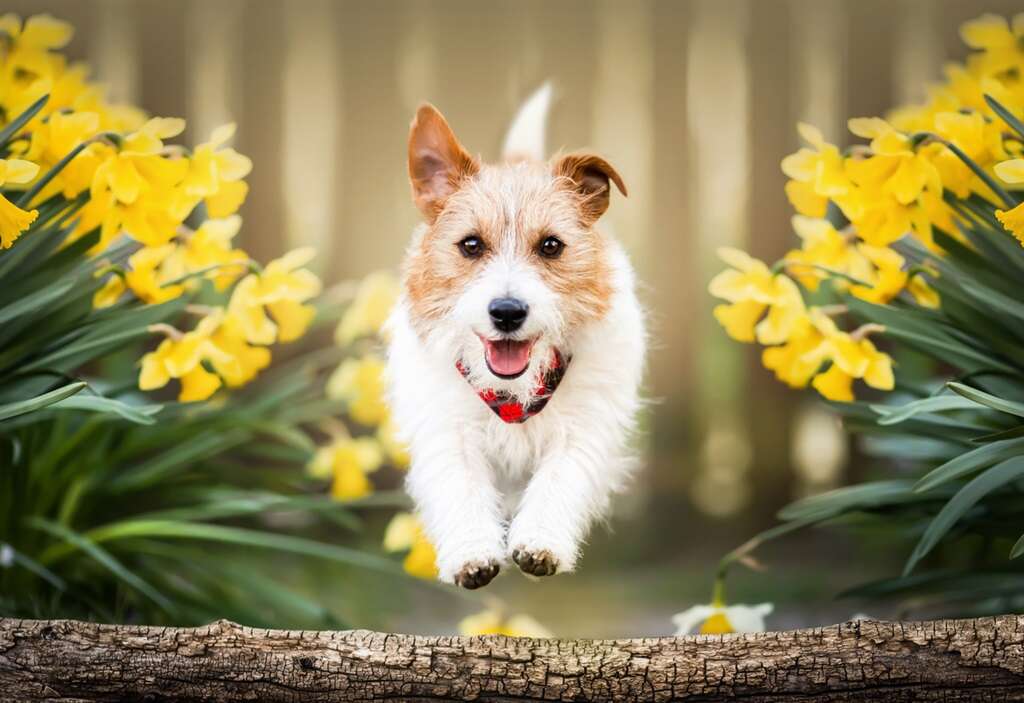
(477,574)
(540,562)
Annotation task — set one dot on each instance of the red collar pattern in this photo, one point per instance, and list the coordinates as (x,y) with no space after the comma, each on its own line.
(512,411)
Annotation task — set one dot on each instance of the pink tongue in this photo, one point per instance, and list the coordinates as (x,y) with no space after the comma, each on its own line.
(506,357)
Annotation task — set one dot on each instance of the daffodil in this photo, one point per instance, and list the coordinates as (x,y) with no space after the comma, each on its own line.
(208,249)
(373,302)
(820,167)
(215,174)
(281,288)
(347,462)
(14,220)
(751,288)
(181,356)
(853,357)
(145,277)
(886,279)
(494,621)
(405,533)
(360,382)
(716,618)
(110,292)
(1012,171)
(824,252)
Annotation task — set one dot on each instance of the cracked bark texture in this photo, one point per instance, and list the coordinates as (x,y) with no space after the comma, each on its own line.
(947,660)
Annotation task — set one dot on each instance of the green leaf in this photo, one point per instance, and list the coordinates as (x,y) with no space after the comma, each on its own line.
(40,401)
(1018,548)
(104,558)
(966,498)
(139,414)
(237,536)
(971,461)
(892,415)
(39,299)
(981,397)
(836,501)
(200,446)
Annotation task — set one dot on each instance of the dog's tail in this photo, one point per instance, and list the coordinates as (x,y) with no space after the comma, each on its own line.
(526,138)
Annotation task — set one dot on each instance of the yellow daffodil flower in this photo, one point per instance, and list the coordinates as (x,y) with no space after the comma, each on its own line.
(182,358)
(215,174)
(405,533)
(717,618)
(373,302)
(282,288)
(494,621)
(14,220)
(360,382)
(145,277)
(1012,172)
(823,251)
(111,291)
(347,461)
(752,288)
(820,166)
(853,357)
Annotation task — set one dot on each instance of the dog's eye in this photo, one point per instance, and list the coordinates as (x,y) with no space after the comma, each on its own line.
(471,247)
(551,247)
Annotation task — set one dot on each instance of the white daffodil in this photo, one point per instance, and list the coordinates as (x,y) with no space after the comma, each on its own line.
(719,619)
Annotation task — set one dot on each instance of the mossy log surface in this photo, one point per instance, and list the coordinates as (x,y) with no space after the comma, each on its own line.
(866,660)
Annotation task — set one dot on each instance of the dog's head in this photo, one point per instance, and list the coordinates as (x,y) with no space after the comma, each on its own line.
(508,265)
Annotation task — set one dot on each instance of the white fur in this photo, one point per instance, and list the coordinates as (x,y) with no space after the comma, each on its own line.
(484,487)
(527,136)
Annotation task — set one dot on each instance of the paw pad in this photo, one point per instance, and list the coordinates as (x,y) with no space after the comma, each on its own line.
(539,563)
(476,575)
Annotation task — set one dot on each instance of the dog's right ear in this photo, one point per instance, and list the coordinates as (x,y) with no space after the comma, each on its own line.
(437,162)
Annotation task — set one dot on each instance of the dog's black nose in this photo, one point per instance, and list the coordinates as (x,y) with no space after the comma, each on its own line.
(508,314)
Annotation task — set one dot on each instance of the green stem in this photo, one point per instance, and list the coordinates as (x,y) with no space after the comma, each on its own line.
(21,120)
(978,170)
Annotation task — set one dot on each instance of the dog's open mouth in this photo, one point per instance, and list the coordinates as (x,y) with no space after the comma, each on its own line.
(507,358)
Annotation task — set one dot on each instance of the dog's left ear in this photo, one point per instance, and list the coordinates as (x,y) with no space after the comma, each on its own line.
(437,162)
(591,177)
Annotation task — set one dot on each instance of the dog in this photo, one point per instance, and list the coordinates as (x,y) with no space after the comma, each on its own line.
(516,350)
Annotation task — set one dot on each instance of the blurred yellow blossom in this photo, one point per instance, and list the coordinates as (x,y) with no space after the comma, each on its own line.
(113,288)
(404,533)
(347,461)
(360,382)
(494,621)
(717,618)
(374,299)
(145,277)
(212,171)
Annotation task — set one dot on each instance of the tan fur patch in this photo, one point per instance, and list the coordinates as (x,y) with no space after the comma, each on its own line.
(514,205)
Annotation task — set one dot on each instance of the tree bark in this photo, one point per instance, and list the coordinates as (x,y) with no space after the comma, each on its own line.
(946,660)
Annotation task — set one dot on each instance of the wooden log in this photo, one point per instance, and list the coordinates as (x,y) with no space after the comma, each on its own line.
(947,660)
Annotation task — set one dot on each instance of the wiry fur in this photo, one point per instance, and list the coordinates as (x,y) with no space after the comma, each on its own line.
(484,488)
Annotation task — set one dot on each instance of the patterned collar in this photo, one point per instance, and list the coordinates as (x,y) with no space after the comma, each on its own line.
(512,411)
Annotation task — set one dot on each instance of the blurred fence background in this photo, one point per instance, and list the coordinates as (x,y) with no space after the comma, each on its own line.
(693,101)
